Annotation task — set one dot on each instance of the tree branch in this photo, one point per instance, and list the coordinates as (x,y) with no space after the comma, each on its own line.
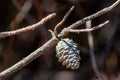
(88,30)
(63,20)
(28,17)
(43,49)
(92,54)
(28,28)
(95,15)
(23,11)
(52,42)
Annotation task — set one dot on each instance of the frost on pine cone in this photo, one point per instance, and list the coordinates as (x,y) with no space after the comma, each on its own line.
(68,54)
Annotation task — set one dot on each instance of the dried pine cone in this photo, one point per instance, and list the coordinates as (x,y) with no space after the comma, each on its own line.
(68,54)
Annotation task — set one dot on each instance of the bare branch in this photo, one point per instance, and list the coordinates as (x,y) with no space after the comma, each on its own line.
(52,33)
(92,54)
(28,28)
(47,46)
(43,49)
(23,11)
(95,15)
(88,30)
(63,20)
(28,17)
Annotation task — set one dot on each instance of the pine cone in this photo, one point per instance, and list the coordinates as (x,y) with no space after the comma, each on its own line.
(68,54)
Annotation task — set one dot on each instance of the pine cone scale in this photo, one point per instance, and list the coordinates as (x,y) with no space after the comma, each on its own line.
(68,54)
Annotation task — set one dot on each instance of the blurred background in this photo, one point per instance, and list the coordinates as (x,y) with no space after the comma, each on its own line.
(15,14)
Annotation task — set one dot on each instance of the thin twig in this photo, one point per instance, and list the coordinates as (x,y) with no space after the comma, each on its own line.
(52,33)
(28,17)
(47,46)
(63,20)
(28,28)
(92,54)
(23,11)
(88,30)
(95,15)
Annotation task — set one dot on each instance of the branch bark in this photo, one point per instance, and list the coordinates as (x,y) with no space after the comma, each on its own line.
(95,15)
(88,30)
(29,58)
(28,28)
(63,20)
(52,42)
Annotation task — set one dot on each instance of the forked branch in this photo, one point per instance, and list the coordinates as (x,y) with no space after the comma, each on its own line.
(95,15)
(63,20)
(88,30)
(49,44)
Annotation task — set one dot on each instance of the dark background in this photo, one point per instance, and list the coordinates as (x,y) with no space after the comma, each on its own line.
(46,67)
